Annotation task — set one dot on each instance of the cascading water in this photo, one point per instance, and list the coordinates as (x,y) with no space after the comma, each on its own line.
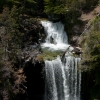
(63,80)
(56,36)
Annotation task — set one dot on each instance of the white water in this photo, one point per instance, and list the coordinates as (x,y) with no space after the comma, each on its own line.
(63,80)
(56,31)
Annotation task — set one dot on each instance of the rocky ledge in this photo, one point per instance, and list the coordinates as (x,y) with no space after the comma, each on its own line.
(32,64)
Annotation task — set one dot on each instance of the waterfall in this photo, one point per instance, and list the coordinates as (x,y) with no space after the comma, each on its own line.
(62,78)
(56,36)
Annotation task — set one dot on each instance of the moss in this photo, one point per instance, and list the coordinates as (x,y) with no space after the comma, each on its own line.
(39,58)
(50,55)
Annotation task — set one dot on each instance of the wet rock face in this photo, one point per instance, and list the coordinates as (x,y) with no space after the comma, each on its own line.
(74,40)
(34,72)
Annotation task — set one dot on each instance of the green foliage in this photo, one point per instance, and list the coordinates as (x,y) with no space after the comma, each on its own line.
(91,3)
(15,2)
(91,57)
(51,55)
(62,6)
(25,6)
(9,19)
(54,7)
(91,47)
(10,40)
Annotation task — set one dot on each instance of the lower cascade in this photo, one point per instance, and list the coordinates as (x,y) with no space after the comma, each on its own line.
(62,77)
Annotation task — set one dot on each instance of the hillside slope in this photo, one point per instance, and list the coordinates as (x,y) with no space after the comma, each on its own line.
(90,15)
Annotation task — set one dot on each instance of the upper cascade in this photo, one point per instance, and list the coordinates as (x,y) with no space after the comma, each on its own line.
(56,36)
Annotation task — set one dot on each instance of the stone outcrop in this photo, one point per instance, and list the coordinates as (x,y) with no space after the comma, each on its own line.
(32,29)
(33,67)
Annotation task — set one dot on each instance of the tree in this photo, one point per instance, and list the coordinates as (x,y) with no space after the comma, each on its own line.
(91,58)
(11,38)
(54,7)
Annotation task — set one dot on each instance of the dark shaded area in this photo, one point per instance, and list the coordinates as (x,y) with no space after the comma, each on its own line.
(35,80)
(88,87)
(85,95)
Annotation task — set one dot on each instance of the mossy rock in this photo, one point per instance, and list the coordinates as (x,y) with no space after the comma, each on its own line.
(51,55)
(39,58)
